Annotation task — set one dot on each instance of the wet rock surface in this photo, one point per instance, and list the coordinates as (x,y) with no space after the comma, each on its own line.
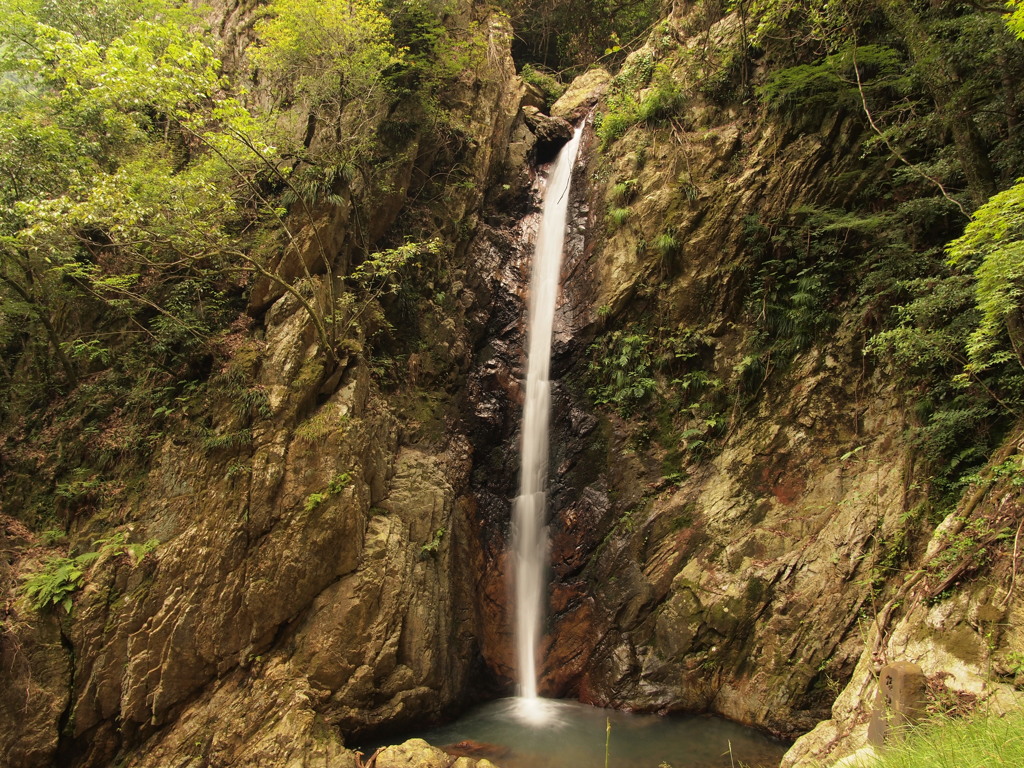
(495,402)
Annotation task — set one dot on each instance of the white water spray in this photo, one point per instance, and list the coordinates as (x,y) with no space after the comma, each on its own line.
(529,538)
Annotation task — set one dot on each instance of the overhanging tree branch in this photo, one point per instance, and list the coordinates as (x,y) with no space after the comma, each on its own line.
(895,152)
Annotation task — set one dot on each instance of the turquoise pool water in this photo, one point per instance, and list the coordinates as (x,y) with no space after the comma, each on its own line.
(549,733)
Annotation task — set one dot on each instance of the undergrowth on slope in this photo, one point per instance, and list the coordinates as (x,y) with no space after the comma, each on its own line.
(657,377)
(976,742)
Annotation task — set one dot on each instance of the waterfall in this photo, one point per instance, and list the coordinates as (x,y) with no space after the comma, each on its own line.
(529,539)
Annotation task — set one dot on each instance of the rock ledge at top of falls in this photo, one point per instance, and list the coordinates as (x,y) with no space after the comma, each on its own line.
(582,94)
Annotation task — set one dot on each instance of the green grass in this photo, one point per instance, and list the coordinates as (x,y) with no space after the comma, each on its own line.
(978,742)
(617,218)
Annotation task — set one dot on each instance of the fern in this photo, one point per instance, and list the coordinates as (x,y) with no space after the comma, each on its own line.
(60,577)
(56,582)
(617,217)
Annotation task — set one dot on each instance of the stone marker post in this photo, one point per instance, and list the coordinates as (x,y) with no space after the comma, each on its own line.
(900,701)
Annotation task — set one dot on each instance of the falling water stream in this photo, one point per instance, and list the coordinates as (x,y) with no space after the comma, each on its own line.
(529,540)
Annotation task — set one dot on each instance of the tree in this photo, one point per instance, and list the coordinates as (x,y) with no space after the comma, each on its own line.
(561,34)
(335,56)
(1015,17)
(128,172)
(993,247)
(953,101)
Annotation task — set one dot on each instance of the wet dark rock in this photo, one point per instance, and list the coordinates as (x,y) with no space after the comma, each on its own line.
(552,133)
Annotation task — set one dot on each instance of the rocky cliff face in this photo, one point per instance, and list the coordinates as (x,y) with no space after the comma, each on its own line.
(735,585)
(342,573)
(735,550)
(310,584)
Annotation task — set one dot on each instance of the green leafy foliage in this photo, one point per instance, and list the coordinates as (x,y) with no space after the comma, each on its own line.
(313,501)
(798,265)
(617,218)
(657,379)
(337,484)
(380,276)
(127,187)
(641,93)
(667,245)
(431,548)
(958,415)
(624,192)
(563,34)
(543,80)
(963,331)
(831,83)
(622,368)
(138,188)
(812,22)
(1015,20)
(332,53)
(993,246)
(60,577)
(57,581)
(435,52)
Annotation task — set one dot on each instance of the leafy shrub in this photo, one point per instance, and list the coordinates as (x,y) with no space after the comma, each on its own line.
(331,52)
(993,245)
(544,81)
(623,192)
(797,274)
(832,82)
(621,115)
(667,244)
(337,484)
(958,419)
(622,367)
(431,547)
(313,501)
(321,424)
(57,581)
(662,100)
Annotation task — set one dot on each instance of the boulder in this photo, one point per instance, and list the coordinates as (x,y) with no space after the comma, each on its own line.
(551,133)
(581,95)
(415,753)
